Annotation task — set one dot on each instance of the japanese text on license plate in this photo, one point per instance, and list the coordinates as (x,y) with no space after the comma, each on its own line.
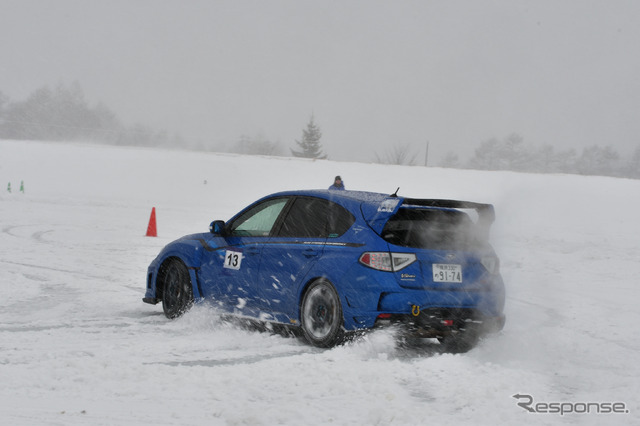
(447,273)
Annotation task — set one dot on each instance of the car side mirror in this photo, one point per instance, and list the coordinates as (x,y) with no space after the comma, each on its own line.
(217,227)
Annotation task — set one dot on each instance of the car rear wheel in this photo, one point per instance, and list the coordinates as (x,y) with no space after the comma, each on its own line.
(177,293)
(321,315)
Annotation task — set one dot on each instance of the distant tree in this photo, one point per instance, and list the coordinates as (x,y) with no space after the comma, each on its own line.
(21,119)
(256,146)
(566,161)
(515,152)
(545,159)
(4,100)
(600,161)
(105,124)
(139,135)
(486,156)
(64,114)
(509,153)
(310,146)
(451,160)
(632,168)
(399,154)
(541,159)
(59,114)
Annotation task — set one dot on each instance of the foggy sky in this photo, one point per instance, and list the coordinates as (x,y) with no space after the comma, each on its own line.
(374,73)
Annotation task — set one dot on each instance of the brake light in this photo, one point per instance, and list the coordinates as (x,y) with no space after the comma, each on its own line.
(385,261)
(379,261)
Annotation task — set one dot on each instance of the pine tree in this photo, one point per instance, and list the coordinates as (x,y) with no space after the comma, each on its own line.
(310,143)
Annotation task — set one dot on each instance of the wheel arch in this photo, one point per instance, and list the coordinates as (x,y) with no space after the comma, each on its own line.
(304,288)
(162,269)
(338,277)
(190,257)
(315,314)
(179,296)
(302,291)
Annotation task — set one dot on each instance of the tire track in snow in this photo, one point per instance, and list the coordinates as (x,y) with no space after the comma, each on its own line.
(49,268)
(554,317)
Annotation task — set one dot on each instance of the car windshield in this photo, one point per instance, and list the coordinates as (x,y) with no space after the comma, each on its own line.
(435,229)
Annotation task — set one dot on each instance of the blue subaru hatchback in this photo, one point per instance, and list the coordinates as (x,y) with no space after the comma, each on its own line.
(330,263)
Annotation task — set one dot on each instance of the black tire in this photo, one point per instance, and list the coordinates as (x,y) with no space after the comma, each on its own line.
(177,293)
(321,315)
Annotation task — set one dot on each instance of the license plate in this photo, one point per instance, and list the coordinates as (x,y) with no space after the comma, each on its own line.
(447,273)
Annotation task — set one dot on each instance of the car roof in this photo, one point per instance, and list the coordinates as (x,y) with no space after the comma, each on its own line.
(360,196)
(375,198)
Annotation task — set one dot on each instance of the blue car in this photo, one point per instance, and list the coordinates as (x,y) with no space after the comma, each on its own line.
(332,263)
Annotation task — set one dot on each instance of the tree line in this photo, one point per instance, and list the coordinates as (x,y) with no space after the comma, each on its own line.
(512,153)
(63,114)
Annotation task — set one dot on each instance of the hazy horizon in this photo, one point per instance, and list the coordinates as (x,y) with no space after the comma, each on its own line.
(374,74)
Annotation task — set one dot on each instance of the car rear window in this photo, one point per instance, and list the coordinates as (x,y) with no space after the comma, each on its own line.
(436,229)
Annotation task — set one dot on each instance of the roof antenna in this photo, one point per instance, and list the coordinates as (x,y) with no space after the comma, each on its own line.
(395,194)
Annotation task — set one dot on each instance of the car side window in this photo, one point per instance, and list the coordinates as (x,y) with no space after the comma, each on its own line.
(339,220)
(315,218)
(258,221)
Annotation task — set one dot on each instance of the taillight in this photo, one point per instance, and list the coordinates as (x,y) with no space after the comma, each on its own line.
(379,261)
(385,261)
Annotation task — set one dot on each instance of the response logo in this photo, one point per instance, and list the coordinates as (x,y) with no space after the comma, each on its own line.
(526,402)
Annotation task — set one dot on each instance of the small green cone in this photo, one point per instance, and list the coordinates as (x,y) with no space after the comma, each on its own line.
(9,187)
(22,186)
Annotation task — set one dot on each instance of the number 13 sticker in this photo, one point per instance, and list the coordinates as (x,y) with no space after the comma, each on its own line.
(232,260)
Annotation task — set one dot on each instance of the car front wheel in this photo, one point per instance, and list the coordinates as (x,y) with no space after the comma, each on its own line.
(177,294)
(321,315)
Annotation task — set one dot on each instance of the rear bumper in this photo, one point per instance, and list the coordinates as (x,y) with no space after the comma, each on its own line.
(369,293)
(440,322)
(487,304)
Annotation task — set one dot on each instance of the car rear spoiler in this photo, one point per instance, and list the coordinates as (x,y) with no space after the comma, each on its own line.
(486,213)
(377,214)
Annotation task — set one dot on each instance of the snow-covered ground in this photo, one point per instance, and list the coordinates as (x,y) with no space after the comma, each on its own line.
(78,346)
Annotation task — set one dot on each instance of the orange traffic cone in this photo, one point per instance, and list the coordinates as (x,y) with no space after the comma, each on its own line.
(151,229)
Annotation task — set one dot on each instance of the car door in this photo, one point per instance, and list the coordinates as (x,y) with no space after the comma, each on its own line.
(291,252)
(230,272)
